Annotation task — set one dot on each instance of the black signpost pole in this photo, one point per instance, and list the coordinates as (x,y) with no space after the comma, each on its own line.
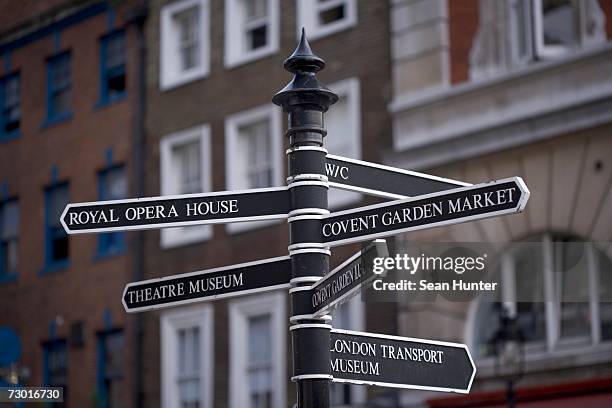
(305,100)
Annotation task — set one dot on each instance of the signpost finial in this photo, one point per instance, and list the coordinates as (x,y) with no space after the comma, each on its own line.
(304,88)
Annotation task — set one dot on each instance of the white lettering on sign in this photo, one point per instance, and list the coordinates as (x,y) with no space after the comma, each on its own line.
(96,216)
(333,170)
(482,200)
(149,212)
(159,292)
(350,225)
(412,354)
(212,207)
(337,284)
(340,365)
(216,283)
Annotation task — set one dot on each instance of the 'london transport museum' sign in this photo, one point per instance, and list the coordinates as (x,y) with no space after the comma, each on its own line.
(400,362)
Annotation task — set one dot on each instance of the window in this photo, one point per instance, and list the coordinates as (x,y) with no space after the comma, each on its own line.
(55,367)
(112,67)
(9,239)
(59,85)
(10,103)
(257,351)
(560,290)
(252,30)
(253,148)
(112,186)
(324,17)
(186,169)
(187,357)
(548,28)
(185,42)
(111,389)
(56,246)
(343,124)
(348,316)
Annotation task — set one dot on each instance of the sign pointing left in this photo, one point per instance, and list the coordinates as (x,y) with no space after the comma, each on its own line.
(234,280)
(176,211)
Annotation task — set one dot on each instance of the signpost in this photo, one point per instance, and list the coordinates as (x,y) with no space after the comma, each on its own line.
(400,362)
(354,357)
(431,210)
(176,211)
(235,280)
(383,181)
(347,279)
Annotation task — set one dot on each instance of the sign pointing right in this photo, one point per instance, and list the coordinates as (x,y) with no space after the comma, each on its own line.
(431,210)
(400,362)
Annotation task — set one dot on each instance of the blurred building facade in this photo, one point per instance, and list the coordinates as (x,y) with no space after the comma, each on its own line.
(486,90)
(67,97)
(211,126)
(470,90)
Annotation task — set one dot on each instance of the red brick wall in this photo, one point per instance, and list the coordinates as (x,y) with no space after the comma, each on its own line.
(606,6)
(463,24)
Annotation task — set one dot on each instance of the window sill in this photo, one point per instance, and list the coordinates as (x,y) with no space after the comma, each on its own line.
(8,278)
(56,120)
(169,82)
(104,103)
(552,360)
(7,137)
(316,33)
(247,57)
(54,267)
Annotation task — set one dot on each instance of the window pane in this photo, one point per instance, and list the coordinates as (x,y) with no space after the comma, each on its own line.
(331,15)
(258,142)
(529,283)
(255,9)
(57,201)
(60,101)
(188,379)
(115,184)
(11,112)
(10,220)
(115,51)
(605,293)
(113,356)
(188,157)
(258,37)
(572,277)
(187,27)
(260,360)
(559,22)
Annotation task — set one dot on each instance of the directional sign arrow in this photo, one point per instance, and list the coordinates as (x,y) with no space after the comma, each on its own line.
(383,181)
(176,211)
(234,280)
(431,210)
(400,362)
(347,279)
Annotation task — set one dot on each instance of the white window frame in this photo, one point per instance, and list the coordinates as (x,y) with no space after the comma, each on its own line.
(173,237)
(234,52)
(232,142)
(169,74)
(200,316)
(553,344)
(307,17)
(351,90)
(240,311)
